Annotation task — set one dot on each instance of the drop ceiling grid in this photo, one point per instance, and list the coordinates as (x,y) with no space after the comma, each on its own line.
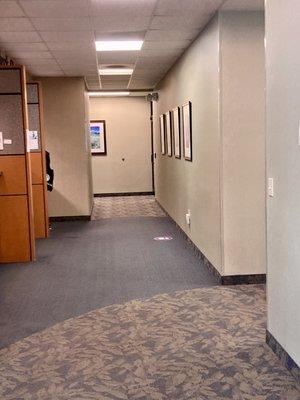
(56,37)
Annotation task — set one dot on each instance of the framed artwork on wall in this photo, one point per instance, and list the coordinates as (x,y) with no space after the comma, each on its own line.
(162,134)
(187,131)
(98,138)
(169,134)
(176,131)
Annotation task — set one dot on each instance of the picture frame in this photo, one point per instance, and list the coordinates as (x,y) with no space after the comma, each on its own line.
(187,131)
(162,134)
(169,134)
(176,128)
(98,137)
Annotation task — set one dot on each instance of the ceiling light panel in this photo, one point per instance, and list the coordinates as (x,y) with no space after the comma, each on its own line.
(119,45)
(115,71)
(108,94)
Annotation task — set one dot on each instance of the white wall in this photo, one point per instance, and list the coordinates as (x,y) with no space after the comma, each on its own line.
(67,141)
(243,141)
(183,185)
(283,165)
(222,74)
(128,136)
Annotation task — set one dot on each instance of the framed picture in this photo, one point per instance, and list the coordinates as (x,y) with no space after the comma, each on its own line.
(176,131)
(162,134)
(98,138)
(169,134)
(187,131)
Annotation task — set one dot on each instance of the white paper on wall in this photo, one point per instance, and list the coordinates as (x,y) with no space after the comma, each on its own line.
(32,140)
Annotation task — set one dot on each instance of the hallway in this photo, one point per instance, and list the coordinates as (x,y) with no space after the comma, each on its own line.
(88,265)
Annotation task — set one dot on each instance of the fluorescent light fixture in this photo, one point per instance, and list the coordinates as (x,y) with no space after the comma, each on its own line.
(119,45)
(108,94)
(115,71)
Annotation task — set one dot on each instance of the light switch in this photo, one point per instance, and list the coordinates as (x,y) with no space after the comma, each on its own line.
(271,187)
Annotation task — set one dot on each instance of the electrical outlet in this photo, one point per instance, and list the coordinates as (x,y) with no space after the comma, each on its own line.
(188,217)
(271,187)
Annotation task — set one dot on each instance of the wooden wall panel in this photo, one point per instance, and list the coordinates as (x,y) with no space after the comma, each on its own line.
(16,207)
(36,168)
(14,229)
(13,178)
(38,161)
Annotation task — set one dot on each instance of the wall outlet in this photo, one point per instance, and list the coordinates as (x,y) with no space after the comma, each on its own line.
(270,187)
(188,217)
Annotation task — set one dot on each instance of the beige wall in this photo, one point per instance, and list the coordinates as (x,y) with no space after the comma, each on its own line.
(183,185)
(67,141)
(243,141)
(222,74)
(283,165)
(128,136)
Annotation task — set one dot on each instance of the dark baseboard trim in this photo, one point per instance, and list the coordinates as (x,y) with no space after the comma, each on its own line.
(283,356)
(123,194)
(71,218)
(244,279)
(222,280)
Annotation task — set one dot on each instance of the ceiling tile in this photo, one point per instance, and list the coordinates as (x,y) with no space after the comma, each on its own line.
(9,8)
(15,25)
(134,35)
(188,7)
(166,45)
(161,35)
(33,61)
(56,24)
(56,46)
(26,46)
(111,57)
(19,37)
(71,36)
(125,8)
(159,53)
(178,22)
(32,54)
(45,71)
(159,60)
(55,8)
(117,23)
(74,54)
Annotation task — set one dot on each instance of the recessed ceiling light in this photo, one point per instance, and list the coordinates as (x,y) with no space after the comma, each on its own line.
(115,71)
(119,45)
(108,94)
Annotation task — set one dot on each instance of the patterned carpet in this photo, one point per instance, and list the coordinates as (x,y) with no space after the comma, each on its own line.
(126,206)
(201,344)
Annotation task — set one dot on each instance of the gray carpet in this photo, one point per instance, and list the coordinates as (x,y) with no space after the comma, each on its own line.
(88,265)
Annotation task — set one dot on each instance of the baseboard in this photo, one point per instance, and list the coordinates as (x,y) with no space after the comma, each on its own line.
(283,356)
(70,218)
(223,280)
(123,194)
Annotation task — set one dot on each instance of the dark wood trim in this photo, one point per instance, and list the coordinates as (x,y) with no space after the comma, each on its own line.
(283,356)
(11,94)
(105,144)
(177,109)
(189,103)
(250,279)
(123,194)
(168,115)
(70,218)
